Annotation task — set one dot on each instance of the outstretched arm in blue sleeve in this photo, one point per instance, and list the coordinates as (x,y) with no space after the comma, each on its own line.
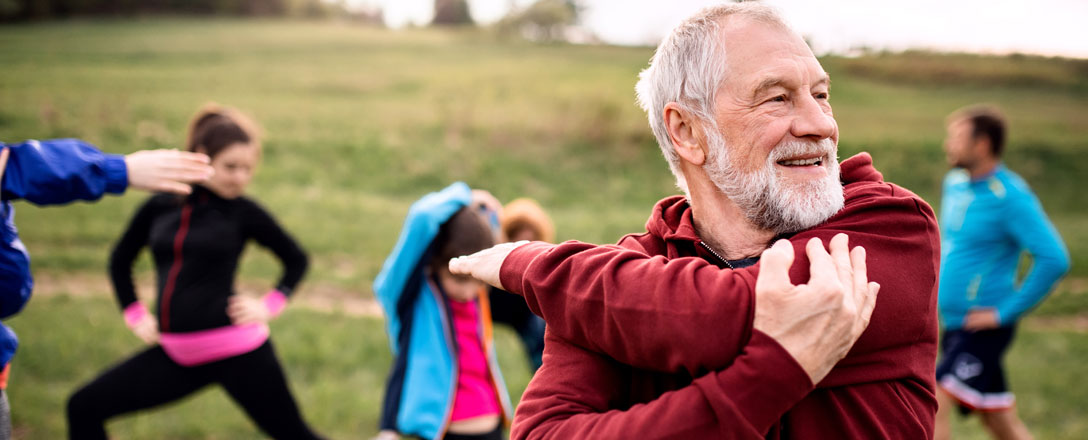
(59,171)
(1032,230)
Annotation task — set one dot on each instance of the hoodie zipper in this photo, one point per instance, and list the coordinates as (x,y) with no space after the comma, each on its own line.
(707,247)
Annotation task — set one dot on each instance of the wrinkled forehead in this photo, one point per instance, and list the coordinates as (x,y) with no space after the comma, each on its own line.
(757,52)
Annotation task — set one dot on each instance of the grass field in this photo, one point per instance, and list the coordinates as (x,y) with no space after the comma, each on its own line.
(361,121)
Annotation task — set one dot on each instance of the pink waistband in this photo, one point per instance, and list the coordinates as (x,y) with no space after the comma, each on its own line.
(201,347)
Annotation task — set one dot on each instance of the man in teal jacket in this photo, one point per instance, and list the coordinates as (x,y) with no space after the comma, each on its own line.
(989,216)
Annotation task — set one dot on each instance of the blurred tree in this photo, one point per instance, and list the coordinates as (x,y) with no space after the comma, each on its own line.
(10,9)
(544,20)
(46,9)
(451,13)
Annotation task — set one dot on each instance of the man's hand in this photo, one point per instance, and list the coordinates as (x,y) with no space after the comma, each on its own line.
(246,310)
(983,318)
(167,170)
(147,329)
(484,265)
(818,322)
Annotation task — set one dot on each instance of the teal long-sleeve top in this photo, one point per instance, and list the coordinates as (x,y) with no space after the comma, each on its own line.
(986,224)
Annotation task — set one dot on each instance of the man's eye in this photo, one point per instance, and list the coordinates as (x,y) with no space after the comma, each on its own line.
(823,95)
(779,98)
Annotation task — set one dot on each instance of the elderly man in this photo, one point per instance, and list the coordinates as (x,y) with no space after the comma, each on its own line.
(684,331)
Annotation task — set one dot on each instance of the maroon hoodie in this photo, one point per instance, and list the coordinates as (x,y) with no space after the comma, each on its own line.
(653,337)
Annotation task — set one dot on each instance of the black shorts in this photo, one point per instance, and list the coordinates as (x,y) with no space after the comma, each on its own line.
(971,368)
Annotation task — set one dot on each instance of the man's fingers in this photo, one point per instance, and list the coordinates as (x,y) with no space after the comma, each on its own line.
(774,267)
(860,280)
(840,256)
(869,303)
(463,265)
(486,264)
(821,268)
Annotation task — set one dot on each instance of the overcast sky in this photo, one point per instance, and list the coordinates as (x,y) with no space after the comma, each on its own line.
(1047,27)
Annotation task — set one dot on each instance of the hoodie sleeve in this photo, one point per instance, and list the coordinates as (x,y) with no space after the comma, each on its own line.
(571,396)
(684,314)
(645,311)
(59,171)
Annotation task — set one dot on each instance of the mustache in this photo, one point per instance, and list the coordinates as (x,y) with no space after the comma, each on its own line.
(793,149)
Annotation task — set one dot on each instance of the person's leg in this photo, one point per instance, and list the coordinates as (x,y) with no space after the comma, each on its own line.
(946,405)
(146,380)
(256,382)
(1005,424)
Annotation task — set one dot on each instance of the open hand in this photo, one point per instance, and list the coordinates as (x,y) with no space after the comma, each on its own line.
(147,329)
(484,265)
(167,170)
(817,322)
(244,309)
(984,318)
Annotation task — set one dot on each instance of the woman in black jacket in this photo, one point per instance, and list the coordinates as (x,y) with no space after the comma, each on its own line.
(204,333)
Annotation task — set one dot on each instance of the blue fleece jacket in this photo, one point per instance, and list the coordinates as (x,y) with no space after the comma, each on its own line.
(985,226)
(44,173)
(421,386)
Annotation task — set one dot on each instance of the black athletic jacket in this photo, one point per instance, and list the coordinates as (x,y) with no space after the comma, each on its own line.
(196,242)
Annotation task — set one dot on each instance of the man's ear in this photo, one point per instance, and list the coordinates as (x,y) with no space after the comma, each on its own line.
(684,131)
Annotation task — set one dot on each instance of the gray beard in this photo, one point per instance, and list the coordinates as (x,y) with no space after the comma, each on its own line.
(769,202)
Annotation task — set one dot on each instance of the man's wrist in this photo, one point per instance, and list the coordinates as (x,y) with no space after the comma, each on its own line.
(517,262)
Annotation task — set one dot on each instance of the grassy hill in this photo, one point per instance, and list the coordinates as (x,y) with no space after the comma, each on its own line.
(360,122)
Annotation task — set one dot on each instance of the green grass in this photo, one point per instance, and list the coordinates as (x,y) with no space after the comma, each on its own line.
(360,122)
(336,366)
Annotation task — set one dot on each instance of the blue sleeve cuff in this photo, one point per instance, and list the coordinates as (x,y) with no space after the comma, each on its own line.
(116,173)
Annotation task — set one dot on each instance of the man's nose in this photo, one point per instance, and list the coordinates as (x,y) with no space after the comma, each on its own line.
(811,121)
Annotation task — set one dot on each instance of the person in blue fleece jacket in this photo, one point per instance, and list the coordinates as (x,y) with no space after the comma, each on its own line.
(989,216)
(54,172)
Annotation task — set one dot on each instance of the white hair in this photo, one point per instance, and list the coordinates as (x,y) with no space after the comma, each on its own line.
(688,67)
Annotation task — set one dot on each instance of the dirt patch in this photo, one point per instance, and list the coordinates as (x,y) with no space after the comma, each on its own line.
(333,299)
(323,298)
(1076,323)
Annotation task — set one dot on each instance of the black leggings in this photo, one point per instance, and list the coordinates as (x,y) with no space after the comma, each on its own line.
(254,380)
